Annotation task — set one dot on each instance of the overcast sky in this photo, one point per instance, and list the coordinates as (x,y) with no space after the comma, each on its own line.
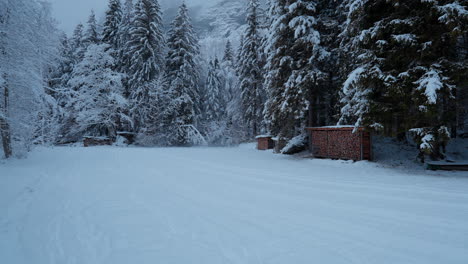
(71,12)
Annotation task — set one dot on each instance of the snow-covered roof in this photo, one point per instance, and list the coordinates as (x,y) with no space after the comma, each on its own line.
(263,136)
(340,127)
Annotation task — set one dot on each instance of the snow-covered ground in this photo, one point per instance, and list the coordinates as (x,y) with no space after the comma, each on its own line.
(225,205)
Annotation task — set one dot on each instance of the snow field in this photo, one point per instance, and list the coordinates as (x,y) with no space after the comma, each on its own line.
(224,205)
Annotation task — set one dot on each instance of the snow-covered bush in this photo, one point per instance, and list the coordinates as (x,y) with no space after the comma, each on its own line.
(295,145)
(431,141)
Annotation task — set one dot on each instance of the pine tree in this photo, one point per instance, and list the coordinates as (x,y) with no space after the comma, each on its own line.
(112,25)
(229,74)
(250,71)
(91,35)
(239,49)
(145,47)
(146,44)
(182,80)
(462,90)
(125,55)
(62,71)
(278,65)
(234,130)
(214,123)
(408,68)
(215,104)
(294,75)
(324,99)
(228,52)
(77,45)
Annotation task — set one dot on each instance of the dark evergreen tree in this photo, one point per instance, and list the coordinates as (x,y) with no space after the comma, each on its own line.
(91,35)
(145,47)
(214,101)
(62,72)
(229,74)
(228,52)
(146,42)
(182,80)
(293,72)
(110,34)
(77,45)
(331,61)
(124,54)
(239,49)
(250,72)
(234,131)
(408,64)
(462,91)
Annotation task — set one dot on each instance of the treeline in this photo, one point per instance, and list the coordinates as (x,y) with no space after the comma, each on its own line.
(398,67)
(130,75)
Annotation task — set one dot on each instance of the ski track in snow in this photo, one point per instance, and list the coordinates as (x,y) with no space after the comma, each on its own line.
(225,205)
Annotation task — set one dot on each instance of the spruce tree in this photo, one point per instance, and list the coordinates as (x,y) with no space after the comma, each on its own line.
(408,68)
(278,66)
(62,73)
(214,101)
(182,80)
(228,67)
(124,54)
(324,94)
(77,45)
(145,48)
(91,35)
(250,72)
(110,34)
(228,52)
(146,44)
(214,124)
(292,71)
(234,131)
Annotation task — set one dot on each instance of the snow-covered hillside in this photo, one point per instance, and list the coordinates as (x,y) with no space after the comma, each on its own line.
(223,21)
(215,22)
(224,205)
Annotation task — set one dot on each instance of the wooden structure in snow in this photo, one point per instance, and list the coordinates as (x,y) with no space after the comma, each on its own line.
(265,142)
(448,166)
(89,141)
(340,142)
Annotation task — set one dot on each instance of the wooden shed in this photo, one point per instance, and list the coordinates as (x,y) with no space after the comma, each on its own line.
(265,142)
(340,142)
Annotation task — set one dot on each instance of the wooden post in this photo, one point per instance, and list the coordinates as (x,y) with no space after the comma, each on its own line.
(5,130)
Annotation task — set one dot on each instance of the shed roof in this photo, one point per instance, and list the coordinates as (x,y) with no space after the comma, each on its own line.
(334,128)
(263,136)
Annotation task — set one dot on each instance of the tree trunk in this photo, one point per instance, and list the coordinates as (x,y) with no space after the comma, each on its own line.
(6,137)
(5,131)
